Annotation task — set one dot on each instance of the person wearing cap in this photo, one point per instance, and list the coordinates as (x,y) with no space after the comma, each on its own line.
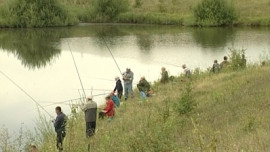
(128,80)
(144,87)
(118,87)
(164,75)
(186,70)
(90,110)
(115,100)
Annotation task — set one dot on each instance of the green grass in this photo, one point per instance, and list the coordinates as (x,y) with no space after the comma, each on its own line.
(231,113)
(249,12)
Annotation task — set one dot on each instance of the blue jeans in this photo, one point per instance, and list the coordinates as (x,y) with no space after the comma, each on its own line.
(128,89)
(143,95)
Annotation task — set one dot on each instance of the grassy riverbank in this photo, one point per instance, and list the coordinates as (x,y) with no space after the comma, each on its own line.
(228,111)
(249,12)
(177,12)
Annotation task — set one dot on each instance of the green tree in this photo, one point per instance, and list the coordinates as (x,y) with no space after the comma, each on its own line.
(35,13)
(214,12)
(105,10)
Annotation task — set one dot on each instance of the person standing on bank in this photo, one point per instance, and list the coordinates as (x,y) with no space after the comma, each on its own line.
(128,80)
(60,127)
(164,75)
(118,87)
(90,110)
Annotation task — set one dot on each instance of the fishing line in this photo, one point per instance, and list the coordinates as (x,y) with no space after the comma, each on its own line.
(25,93)
(70,100)
(76,69)
(111,54)
(95,89)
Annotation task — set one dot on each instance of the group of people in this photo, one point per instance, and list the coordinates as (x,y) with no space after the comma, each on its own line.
(113,99)
(224,64)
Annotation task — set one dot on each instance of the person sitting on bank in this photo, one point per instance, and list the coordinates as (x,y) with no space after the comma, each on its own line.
(186,71)
(115,100)
(215,67)
(60,127)
(118,87)
(164,75)
(108,110)
(90,111)
(144,87)
(224,63)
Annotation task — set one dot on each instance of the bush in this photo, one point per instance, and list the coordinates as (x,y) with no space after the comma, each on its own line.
(238,59)
(33,13)
(107,10)
(186,102)
(214,12)
(150,18)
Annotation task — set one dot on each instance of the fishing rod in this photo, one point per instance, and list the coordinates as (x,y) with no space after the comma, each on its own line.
(76,69)
(111,54)
(25,93)
(100,78)
(65,101)
(95,89)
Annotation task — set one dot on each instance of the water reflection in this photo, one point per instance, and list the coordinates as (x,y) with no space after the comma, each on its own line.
(35,48)
(213,37)
(145,42)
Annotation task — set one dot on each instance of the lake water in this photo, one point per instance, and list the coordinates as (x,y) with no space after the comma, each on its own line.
(40,62)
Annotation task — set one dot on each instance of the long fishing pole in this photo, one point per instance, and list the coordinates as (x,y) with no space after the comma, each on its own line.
(76,69)
(25,92)
(65,101)
(95,89)
(111,54)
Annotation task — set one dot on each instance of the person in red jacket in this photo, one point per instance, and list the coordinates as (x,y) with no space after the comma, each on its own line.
(108,110)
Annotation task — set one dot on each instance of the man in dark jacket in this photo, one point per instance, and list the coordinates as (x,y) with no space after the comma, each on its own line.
(118,87)
(60,127)
(143,87)
(90,110)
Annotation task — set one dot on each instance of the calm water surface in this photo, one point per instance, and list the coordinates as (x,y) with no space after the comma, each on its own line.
(40,62)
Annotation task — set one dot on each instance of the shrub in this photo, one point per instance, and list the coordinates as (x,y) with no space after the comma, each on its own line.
(237,59)
(33,13)
(214,12)
(150,18)
(106,10)
(186,103)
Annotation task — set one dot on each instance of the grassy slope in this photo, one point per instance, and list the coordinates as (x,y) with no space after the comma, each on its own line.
(231,114)
(251,12)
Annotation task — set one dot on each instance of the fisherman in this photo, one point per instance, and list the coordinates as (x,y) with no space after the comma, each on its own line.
(164,75)
(144,88)
(60,127)
(118,87)
(224,63)
(108,110)
(90,110)
(186,70)
(215,67)
(115,100)
(243,62)
(128,80)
